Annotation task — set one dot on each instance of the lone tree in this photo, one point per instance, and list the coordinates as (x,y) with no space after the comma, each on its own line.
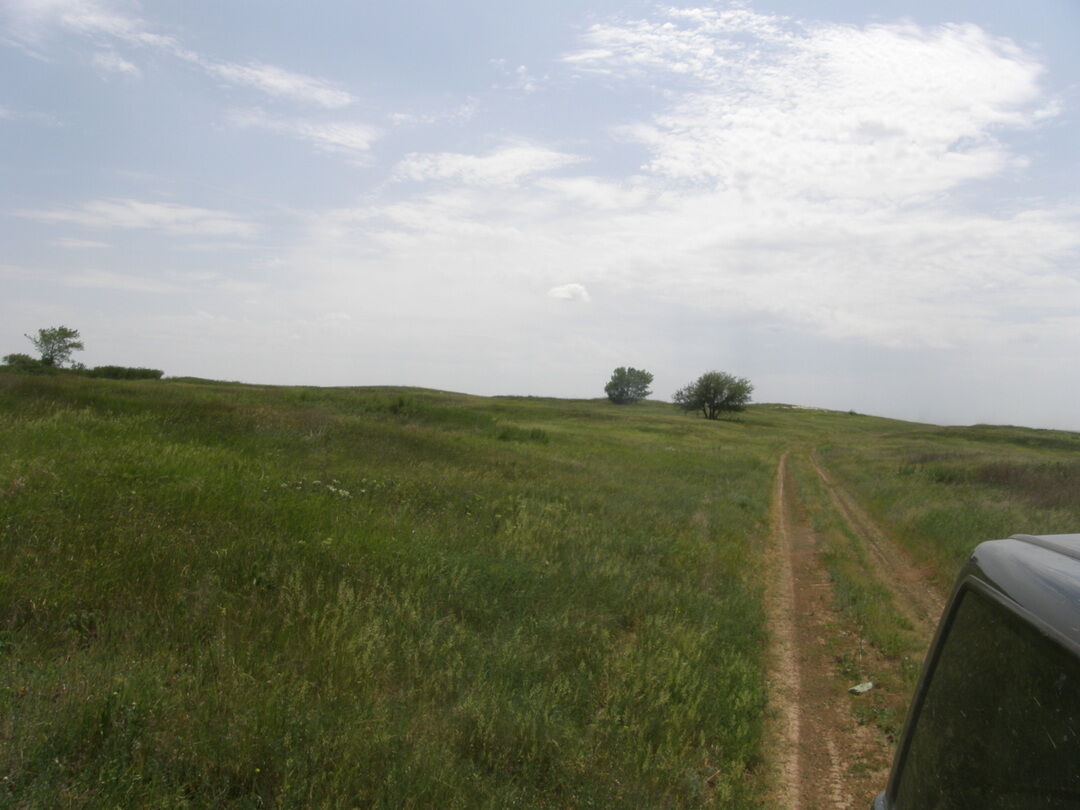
(713,393)
(56,344)
(628,385)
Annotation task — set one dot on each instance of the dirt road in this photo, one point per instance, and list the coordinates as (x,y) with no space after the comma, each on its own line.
(822,758)
(918,599)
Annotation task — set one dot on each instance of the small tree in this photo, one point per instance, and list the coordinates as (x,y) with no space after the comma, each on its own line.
(628,385)
(713,393)
(56,344)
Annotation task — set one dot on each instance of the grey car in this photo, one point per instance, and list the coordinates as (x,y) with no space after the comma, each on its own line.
(995,722)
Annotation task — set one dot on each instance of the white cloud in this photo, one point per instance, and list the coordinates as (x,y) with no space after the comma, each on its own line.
(595,192)
(349,138)
(801,174)
(593,56)
(458,115)
(158,283)
(112,62)
(462,216)
(91,279)
(30,116)
(79,244)
(168,218)
(275,81)
(901,277)
(27,22)
(570,292)
(518,78)
(502,167)
(775,108)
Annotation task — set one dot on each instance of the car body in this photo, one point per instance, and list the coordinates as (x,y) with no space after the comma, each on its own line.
(995,721)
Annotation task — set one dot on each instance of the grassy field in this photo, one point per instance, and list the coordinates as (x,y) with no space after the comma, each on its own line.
(226,595)
(940,490)
(223,595)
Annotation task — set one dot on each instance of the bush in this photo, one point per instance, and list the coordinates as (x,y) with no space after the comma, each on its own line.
(26,364)
(125,373)
(23,362)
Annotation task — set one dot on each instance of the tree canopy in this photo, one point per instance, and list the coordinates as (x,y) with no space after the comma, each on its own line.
(714,393)
(628,385)
(56,344)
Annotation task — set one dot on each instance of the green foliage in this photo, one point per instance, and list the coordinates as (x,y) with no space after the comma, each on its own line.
(713,393)
(56,344)
(125,373)
(22,362)
(628,385)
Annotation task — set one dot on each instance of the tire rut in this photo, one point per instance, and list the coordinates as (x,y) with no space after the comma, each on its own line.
(812,730)
(915,596)
(784,680)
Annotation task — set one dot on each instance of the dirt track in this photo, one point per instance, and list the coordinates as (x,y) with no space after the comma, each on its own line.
(821,757)
(921,603)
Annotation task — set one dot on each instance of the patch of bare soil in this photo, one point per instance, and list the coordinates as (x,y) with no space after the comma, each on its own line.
(821,757)
(916,596)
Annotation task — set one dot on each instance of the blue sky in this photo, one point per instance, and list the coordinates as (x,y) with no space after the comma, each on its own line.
(867,206)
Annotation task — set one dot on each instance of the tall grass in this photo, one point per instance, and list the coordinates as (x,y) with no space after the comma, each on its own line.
(218,595)
(224,595)
(945,490)
(861,588)
(875,642)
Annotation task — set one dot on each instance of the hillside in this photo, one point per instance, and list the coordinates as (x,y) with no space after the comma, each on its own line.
(224,595)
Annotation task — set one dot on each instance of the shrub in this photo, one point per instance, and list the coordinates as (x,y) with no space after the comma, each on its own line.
(23,362)
(125,373)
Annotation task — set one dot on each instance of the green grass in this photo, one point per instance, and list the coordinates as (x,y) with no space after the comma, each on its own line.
(884,647)
(944,490)
(861,590)
(224,595)
(939,492)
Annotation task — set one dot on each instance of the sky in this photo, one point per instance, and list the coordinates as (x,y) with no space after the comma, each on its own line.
(857,205)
